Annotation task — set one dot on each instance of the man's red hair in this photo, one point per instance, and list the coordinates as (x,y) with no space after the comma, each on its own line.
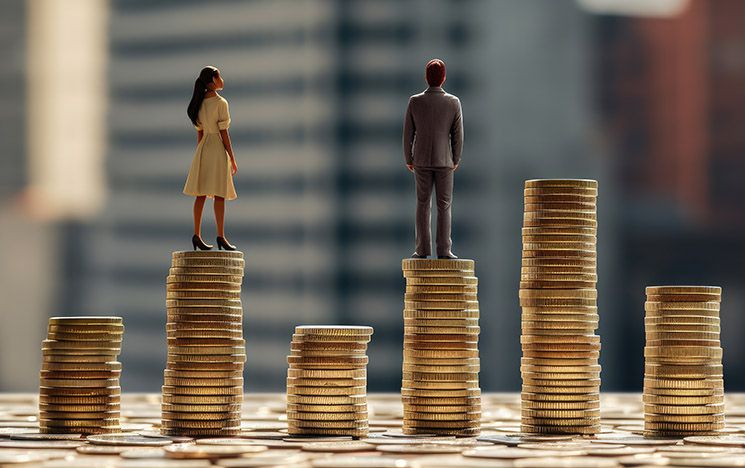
(435,72)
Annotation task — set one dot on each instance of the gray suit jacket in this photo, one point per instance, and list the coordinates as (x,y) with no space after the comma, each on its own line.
(433,129)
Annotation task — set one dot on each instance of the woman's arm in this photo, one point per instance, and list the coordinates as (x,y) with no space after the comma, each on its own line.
(229,148)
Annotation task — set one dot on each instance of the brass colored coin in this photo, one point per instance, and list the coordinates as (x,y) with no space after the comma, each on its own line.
(683,383)
(64,415)
(423,377)
(717,408)
(413,411)
(442,417)
(657,290)
(437,264)
(441,289)
(566,340)
(586,265)
(528,361)
(205,391)
(432,424)
(440,392)
(206,270)
(352,424)
(440,385)
(434,281)
(473,330)
(559,247)
(78,375)
(534,284)
(194,416)
(593,428)
(550,389)
(426,274)
(559,293)
(561,354)
(556,302)
(454,369)
(683,352)
(293,416)
(330,346)
(333,330)
(460,338)
(112,366)
(442,305)
(434,314)
(683,401)
(573,183)
(86,320)
(560,198)
(533,369)
(416,354)
(207,334)
(300,338)
(208,262)
(192,424)
(441,346)
(564,380)
(206,350)
(560,421)
(79,422)
(190,358)
(328,391)
(446,323)
(329,362)
(351,408)
(202,303)
(197,409)
(681,313)
(681,335)
(445,402)
(192,432)
(682,371)
(560,405)
(206,382)
(169,398)
(685,392)
(327,373)
(560,397)
(197,366)
(304,382)
(654,306)
(204,281)
(202,294)
(299,431)
(326,399)
(440,297)
(560,414)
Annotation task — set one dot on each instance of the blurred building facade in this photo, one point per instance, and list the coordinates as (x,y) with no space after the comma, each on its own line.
(317,93)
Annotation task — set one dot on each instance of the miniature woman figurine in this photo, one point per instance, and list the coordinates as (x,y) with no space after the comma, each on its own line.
(213,166)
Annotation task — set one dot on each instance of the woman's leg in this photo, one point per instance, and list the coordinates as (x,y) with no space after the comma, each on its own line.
(198,207)
(220,216)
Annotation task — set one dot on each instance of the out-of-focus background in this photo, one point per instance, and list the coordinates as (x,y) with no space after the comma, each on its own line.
(647,96)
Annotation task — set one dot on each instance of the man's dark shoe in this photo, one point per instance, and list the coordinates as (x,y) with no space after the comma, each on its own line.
(450,256)
(418,255)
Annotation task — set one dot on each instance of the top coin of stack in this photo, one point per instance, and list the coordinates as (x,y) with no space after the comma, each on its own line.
(558,295)
(203,379)
(683,379)
(327,381)
(440,386)
(79,388)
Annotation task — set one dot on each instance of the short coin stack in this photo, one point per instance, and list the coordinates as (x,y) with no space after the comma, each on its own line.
(327,381)
(203,379)
(558,296)
(79,388)
(440,386)
(683,379)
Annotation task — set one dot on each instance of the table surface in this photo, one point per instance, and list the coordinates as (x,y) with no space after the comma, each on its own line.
(619,443)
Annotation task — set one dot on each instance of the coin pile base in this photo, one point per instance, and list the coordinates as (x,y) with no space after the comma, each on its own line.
(263,440)
(203,379)
(327,381)
(440,385)
(559,367)
(79,388)
(683,375)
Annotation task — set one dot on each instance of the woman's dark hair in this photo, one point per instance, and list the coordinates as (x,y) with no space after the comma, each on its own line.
(200,88)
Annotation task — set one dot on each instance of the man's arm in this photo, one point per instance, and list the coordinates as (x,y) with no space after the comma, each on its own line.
(409,135)
(456,135)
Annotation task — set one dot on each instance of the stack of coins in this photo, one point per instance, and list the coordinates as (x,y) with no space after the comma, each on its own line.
(440,386)
(327,381)
(203,379)
(683,379)
(558,296)
(79,388)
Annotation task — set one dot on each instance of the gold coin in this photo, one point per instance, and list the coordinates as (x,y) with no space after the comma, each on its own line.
(683,352)
(534,284)
(543,192)
(560,397)
(170,398)
(193,416)
(565,380)
(662,306)
(653,383)
(702,400)
(460,339)
(437,264)
(471,415)
(674,314)
(549,274)
(348,408)
(203,303)
(192,424)
(349,346)
(327,373)
(440,392)
(434,314)
(474,369)
(560,198)
(196,262)
(85,320)
(573,183)
(327,362)
(347,399)
(560,405)
(717,408)
(569,312)
(561,354)
(197,366)
(333,330)
(431,424)
(555,263)
(203,382)
(681,335)
(429,274)
(441,323)
(560,414)
(590,429)
(326,382)
(445,402)
(203,281)
(528,361)
(440,353)
(441,289)
(551,369)
(445,297)
(205,334)
(192,432)
(202,294)
(559,293)
(557,302)
(442,305)
(440,376)
(560,389)
(351,424)
(327,391)
(565,340)
(308,416)
(205,391)
(474,330)
(181,408)
(204,374)
(542,220)
(78,375)
(206,270)
(683,298)
(440,385)
(468,281)
(683,290)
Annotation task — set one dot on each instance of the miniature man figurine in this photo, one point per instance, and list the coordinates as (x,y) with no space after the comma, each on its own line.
(433,141)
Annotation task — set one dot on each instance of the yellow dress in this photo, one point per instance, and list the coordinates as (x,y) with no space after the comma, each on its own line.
(210,169)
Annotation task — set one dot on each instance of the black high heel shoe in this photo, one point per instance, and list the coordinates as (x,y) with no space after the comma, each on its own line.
(197,242)
(223,244)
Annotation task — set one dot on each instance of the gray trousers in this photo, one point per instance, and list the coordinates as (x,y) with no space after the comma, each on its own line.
(441,180)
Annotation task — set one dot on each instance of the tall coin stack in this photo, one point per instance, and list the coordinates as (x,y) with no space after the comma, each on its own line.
(203,379)
(683,379)
(440,386)
(327,381)
(79,388)
(558,296)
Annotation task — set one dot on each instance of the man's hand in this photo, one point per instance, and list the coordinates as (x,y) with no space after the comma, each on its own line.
(410,167)
(455,168)
(233,167)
